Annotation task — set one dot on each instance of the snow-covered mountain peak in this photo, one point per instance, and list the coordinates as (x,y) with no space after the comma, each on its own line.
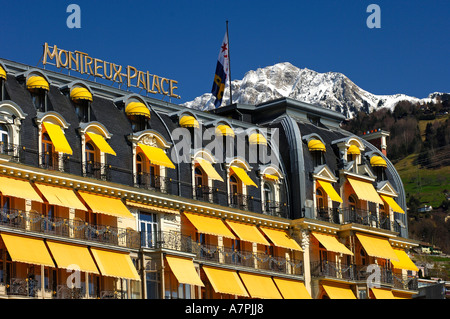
(331,90)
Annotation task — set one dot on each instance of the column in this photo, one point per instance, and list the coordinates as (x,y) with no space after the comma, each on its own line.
(306,260)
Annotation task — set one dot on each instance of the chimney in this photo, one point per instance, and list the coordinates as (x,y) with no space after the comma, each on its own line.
(377,137)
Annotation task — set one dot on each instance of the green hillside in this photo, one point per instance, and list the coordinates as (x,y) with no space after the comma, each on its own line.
(428,186)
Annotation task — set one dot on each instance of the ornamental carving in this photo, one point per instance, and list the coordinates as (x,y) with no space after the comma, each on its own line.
(149,140)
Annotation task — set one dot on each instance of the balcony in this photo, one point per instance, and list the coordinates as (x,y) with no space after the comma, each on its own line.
(54,161)
(354,272)
(328,214)
(221,255)
(243,202)
(274,208)
(366,217)
(97,170)
(69,228)
(155,182)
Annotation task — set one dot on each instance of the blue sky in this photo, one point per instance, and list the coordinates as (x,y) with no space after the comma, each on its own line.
(180,40)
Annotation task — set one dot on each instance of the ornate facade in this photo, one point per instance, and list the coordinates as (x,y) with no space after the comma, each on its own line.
(126,196)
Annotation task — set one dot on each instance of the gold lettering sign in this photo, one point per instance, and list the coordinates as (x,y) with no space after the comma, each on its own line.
(81,62)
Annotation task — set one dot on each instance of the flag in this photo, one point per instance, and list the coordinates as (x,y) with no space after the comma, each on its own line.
(222,72)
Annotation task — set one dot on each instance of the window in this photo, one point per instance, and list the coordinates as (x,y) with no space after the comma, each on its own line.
(3,138)
(149,229)
(139,123)
(318,158)
(49,157)
(201,184)
(2,89)
(320,199)
(236,198)
(269,194)
(352,203)
(147,175)
(83,110)
(380,173)
(93,165)
(362,254)
(39,99)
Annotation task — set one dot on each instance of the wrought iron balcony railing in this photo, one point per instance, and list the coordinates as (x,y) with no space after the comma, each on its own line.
(155,182)
(223,255)
(328,214)
(54,161)
(97,170)
(69,228)
(275,208)
(367,217)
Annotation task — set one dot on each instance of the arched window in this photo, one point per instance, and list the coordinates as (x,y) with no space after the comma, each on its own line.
(3,138)
(235,191)
(49,156)
(93,166)
(147,175)
(269,193)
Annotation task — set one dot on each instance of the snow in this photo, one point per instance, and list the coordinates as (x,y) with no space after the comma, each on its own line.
(331,90)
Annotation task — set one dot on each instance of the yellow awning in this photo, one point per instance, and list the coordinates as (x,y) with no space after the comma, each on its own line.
(331,243)
(338,291)
(80,93)
(316,145)
(27,250)
(209,169)
(260,286)
(281,238)
(225,281)
(271,177)
(382,293)
(392,204)
(37,82)
(153,208)
(18,188)
(404,262)
(101,143)
(329,189)
(2,73)
(106,205)
(209,225)
(377,247)
(61,196)
(243,176)
(156,156)
(292,289)
(137,108)
(257,138)
(115,264)
(224,130)
(189,121)
(247,232)
(184,271)
(73,257)
(58,138)
(365,190)
(377,161)
(353,150)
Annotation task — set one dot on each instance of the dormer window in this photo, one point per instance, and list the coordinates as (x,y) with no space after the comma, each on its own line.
(2,83)
(82,98)
(317,149)
(379,166)
(139,116)
(3,138)
(38,87)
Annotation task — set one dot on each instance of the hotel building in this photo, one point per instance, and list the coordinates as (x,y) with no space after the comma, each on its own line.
(106,193)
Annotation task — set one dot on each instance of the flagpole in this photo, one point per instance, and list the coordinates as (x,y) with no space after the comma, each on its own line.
(229,66)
